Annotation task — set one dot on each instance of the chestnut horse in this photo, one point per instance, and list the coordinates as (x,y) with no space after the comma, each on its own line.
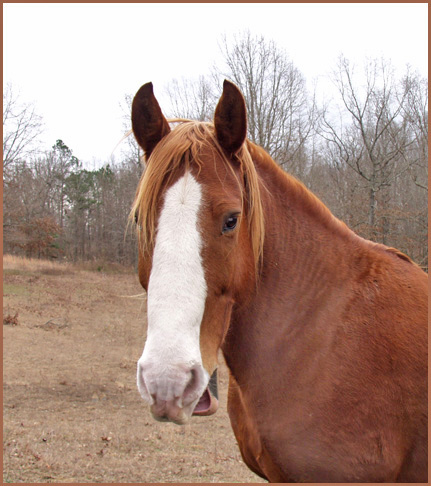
(324,333)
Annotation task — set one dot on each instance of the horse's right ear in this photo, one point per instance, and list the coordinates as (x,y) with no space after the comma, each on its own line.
(230,119)
(148,123)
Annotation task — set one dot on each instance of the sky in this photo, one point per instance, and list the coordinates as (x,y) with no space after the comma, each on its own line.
(76,62)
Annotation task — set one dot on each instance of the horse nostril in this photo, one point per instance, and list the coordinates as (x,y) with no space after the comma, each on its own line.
(191,383)
(142,386)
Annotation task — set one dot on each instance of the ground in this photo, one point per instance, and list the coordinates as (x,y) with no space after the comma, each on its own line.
(72,413)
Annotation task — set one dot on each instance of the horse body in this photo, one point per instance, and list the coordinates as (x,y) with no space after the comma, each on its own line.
(331,370)
(324,333)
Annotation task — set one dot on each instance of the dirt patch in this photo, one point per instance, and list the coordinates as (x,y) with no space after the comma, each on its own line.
(71,409)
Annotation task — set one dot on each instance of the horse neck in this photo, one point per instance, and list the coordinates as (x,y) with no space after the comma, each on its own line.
(305,258)
(303,240)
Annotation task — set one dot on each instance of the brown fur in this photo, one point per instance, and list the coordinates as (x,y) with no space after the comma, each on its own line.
(327,348)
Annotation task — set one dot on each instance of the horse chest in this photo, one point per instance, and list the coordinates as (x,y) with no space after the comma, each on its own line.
(313,431)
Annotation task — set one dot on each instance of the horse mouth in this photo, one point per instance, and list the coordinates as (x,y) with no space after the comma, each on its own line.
(208,402)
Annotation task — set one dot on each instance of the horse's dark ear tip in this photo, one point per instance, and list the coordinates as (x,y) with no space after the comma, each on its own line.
(146,89)
(228,84)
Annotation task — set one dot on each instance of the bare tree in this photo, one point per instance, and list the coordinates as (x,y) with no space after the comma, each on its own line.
(21,127)
(133,151)
(415,112)
(192,99)
(280,115)
(371,136)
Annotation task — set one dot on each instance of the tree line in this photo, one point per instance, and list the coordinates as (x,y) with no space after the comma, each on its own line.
(364,152)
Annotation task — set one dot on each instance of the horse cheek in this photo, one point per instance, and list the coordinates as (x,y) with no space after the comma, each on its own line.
(215,324)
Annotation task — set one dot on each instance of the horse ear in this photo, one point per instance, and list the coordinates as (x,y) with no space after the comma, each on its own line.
(148,123)
(230,118)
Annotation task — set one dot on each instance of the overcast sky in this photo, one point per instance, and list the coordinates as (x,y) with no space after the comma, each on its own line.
(77,61)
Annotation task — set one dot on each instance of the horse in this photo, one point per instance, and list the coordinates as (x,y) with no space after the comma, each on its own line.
(323,332)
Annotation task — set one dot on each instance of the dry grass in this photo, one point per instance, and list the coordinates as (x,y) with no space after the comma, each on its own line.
(9,320)
(17,264)
(71,409)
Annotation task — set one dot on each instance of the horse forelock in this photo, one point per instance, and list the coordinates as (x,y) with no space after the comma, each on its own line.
(176,152)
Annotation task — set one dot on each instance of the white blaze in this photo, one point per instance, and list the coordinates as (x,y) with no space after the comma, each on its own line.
(176,294)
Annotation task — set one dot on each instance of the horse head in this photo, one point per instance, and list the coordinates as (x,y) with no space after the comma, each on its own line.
(200,229)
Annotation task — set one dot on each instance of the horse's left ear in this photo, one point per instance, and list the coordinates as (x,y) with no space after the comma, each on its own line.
(230,118)
(148,123)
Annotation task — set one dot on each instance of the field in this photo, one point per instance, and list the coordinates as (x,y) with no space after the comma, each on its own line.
(72,413)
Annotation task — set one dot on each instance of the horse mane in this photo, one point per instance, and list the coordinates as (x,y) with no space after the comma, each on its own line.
(181,148)
(297,192)
(308,201)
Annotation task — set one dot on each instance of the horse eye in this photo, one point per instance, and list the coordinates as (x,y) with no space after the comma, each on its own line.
(230,223)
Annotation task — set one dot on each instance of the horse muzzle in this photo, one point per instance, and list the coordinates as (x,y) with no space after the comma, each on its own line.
(175,393)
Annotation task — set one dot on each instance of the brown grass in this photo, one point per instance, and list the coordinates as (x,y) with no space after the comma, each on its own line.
(18,264)
(71,409)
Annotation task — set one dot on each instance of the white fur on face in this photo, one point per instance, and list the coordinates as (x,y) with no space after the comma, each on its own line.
(176,298)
